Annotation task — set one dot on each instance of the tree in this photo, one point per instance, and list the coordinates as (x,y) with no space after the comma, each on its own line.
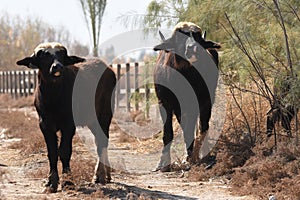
(79,49)
(93,11)
(161,12)
(259,39)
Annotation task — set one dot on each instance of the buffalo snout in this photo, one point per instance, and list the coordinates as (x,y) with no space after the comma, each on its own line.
(56,68)
(190,53)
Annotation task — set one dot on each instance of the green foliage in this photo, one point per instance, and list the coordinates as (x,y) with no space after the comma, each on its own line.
(164,13)
(93,11)
(254,50)
(260,45)
(293,96)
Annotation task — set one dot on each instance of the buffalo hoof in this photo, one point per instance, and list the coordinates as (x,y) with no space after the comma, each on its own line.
(269,133)
(166,168)
(52,184)
(97,180)
(164,164)
(50,189)
(67,183)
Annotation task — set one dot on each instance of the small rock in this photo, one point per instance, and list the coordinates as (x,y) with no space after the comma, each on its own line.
(131,196)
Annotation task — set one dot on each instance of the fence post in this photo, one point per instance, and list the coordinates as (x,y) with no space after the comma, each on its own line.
(8,82)
(118,86)
(25,73)
(31,82)
(35,79)
(20,83)
(12,85)
(1,82)
(15,84)
(136,86)
(127,87)
(147,90)
(5,82)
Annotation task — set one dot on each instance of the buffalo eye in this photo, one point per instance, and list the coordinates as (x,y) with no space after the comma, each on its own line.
(40,53)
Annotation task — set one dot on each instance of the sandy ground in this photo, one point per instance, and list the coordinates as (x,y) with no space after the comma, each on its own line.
(132,176)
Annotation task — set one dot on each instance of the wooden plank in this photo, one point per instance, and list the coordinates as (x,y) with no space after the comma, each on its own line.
(118,86)
(136,86)
(1,82)
(127,75)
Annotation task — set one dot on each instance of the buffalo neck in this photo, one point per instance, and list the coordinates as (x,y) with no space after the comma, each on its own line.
(50,91)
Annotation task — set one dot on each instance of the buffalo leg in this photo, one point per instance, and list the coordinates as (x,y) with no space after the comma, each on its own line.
(188,124)
(165,159)
(272,118)
(287,118)
(65,148)
(51,142)
(105,123)
(65,152)
(102,169)
(205,114)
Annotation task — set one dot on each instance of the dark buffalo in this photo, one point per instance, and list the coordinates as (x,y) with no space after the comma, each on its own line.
(180,86)
(57,108)
(280,110)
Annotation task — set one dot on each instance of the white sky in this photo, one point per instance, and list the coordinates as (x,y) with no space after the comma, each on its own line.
(68,13)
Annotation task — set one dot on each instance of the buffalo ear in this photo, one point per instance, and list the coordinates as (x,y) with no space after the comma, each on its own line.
(159,47)
(71,60)
(162,37)
(27,62)
(165,45)
(211,45)
(204,35)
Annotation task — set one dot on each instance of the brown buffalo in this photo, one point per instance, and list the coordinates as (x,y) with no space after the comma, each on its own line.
(180,86)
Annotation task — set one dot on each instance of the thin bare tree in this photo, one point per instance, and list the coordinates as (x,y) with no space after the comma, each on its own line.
(93,11)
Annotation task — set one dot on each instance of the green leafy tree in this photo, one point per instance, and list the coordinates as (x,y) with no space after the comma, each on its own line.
(93,11)
(260,38)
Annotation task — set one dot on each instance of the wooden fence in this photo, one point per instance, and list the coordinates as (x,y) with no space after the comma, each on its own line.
(132,88)
(18,83)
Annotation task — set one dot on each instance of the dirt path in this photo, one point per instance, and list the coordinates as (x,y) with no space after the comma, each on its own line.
(131,178)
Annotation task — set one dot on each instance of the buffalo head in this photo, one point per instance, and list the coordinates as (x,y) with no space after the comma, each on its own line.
(194,49)
(50,59)
(186,41)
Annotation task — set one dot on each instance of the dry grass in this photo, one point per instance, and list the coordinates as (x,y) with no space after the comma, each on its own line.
(6,101)
(18,125)
(246,159)
(249,160)
(21,125)
(265,174)
(82,163)
(125,138)
(33,149)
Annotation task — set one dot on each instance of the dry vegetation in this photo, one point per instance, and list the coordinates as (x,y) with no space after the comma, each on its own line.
(21,125)
(250,162)
(32,148)
(6,101)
